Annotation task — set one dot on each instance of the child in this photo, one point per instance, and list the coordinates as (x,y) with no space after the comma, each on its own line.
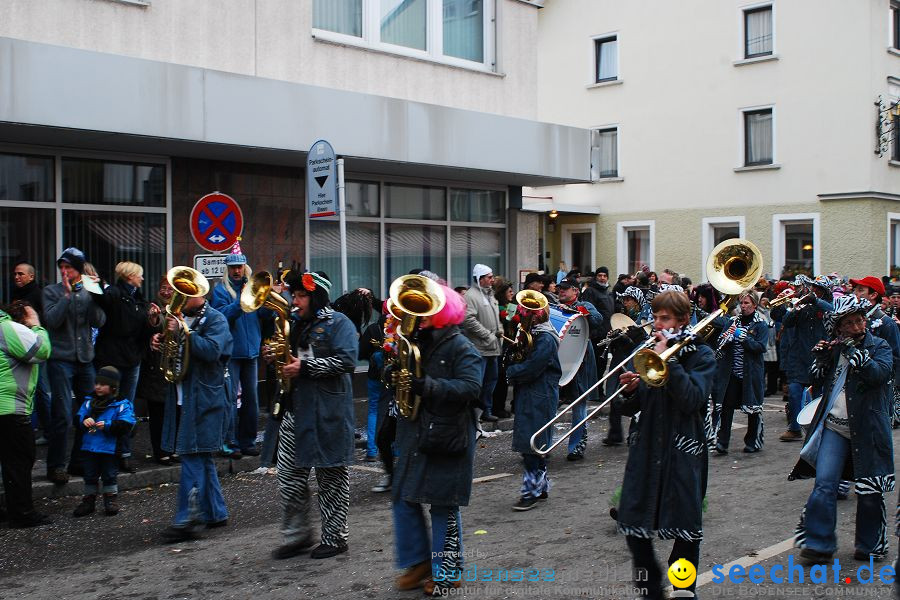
(104,418)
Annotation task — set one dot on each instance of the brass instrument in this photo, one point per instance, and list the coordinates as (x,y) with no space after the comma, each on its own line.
(732,267)
(534,303)
(411,297)
(176,345)
(784,297)
(257,293)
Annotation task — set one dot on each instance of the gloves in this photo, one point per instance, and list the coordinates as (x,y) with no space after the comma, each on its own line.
(740,333)
(635,334)
(822,348)
(858,358)
(418,386)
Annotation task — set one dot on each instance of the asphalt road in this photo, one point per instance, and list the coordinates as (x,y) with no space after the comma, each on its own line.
(568,544)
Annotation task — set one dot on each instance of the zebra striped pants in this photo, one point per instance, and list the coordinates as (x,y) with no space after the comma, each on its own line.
(293,485)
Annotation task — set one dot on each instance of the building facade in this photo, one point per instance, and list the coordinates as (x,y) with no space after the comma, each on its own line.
(116,116)
(714,119)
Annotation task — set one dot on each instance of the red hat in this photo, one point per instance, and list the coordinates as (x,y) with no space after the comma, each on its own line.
(873,283)
(781,285)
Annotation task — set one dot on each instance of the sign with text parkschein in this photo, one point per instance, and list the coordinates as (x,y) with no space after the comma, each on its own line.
(321,181)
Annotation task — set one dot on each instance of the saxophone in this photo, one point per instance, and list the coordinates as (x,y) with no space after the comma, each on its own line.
(176,345)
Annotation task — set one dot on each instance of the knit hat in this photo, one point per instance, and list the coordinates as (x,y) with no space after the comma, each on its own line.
(308,282)
(74,257)
(236,257)
(843,306)
(873,283)
(480,270)
(603,270)
(632,292)
(108,376)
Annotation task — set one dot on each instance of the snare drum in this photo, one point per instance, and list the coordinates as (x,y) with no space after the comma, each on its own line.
(572,328)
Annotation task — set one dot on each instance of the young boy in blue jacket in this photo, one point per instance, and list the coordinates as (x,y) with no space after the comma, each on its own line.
(103,417)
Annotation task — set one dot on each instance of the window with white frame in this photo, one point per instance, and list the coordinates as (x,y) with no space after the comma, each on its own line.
(451,31)
(604,153)
(716,230)
(893,243)
(759,137)
(758,31)
(606,58)
(635,245)
(795,244)
(895,24)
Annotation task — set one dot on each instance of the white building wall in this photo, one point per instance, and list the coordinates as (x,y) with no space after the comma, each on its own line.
(273,39)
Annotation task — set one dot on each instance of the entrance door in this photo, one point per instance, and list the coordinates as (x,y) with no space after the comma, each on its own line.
(579,247)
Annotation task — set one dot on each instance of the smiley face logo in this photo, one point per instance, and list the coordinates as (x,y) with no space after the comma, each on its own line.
(682,573)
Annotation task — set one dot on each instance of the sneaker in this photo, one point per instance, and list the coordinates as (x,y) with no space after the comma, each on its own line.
(371,458)
(32,519)
(864,556)
(791,436)
(384,484)
(525,503)
(231,453)
(291,550)
(58,476)
(749,450)
(87,506)
(543,496)
(574,456)
(327,551)
(814,556)
(174,534)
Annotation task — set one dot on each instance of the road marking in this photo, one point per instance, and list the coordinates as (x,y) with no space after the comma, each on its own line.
(365,468)
(746,561)
(491,477)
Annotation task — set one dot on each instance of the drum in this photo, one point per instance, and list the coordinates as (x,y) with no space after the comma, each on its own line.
(572,328)
(809,411)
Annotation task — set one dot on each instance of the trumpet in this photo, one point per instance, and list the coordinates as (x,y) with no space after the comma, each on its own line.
(176,346)
(732,267)
(784,297)
(534,303)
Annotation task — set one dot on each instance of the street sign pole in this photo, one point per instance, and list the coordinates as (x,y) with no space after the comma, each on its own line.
(342,220)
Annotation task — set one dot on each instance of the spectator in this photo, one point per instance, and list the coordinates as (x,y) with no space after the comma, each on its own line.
(482,327)
(151,388)
(22,347)
(503,293)
(122,340)
(70,313)
(26,289)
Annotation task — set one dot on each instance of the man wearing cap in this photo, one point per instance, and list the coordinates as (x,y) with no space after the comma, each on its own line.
(241,423)
(596,291)
(805,328)
(587,372)
(69,314)
(871,289)
(483,328)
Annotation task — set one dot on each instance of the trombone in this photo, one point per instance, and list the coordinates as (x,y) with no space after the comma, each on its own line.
(732,267)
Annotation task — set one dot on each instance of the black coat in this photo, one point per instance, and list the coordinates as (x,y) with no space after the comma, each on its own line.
(31,293)
(122,338)
(603,301)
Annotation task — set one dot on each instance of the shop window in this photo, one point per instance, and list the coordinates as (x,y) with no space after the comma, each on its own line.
(410,247)
(27,235)
(110,237)
(472,245)
(415,202)
(26,178)
(103,182)
(477,206)
(362,199)
(363,264)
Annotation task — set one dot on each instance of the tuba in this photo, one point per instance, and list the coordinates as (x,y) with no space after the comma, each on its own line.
(411,298)
(733,267)
(257,293)
(534,303)
(176,345)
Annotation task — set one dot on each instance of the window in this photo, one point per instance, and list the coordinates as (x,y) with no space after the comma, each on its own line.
(895,24)
(758,137)
(635,242)
(105,182)
(716,230)
(606,59)
(27,235)
(26,178)
(604,153)
(472,245)
(410,247)
(893,244)
(414,202)
(459,32)
(758,32)
(795,244)
(895,129)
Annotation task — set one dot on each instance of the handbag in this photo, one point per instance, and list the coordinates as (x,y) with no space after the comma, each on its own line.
(444,435)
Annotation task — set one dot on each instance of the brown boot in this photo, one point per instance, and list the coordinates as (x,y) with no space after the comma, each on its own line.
(111,504)
(413,577)
(429,586)
(791,436)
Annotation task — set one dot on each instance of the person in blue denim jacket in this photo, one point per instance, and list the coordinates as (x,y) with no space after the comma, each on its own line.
(104,418)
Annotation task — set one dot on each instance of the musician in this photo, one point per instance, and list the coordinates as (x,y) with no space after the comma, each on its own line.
(665,476)
(849,436)
(436,470)
(871,289)
(535,383)
(803,326)
(632,300)
(740,377)
(317,427)
(202,398)
(621,344)
(587,372)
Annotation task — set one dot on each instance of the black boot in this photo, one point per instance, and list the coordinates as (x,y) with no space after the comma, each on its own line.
(111,504)
(125,466)
(88,503)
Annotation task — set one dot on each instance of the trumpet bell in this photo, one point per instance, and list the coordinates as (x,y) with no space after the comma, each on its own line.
(417,296)
(187,283)
(651,367)
(257,293)
(531,300)
(734,266)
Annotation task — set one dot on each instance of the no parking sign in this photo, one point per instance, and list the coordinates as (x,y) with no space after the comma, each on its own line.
(216,222)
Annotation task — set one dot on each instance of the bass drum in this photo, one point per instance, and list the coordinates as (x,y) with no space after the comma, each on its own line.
(572,328)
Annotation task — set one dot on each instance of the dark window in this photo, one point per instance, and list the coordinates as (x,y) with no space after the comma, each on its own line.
(607,59)
(895,25)
(86,181)
(895,154)
(758,137)
(758,32)
(26,178)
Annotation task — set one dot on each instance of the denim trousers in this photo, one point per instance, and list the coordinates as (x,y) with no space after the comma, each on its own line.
(820,517)
(411,539)
(373,387)
(127,389)
(65,378)
(489,371)
(578,440)
(200,497)
(244,420)
(100,466)
(795,403)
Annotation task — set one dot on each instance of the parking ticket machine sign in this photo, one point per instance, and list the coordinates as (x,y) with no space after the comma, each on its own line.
(321,181)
